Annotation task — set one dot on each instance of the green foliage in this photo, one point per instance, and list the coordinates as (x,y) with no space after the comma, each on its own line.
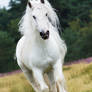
(4,19)
(73,41)
(7,49)
(13,29)
(17,8)
(87,43)
(78,40)
(72,9)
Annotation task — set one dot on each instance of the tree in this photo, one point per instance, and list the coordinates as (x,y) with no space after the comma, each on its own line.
(7,49)
(4,19)
(69,10)
(73,41)
(13,29)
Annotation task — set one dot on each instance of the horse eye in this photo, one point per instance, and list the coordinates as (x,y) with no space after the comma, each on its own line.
(46,14)
(34,17)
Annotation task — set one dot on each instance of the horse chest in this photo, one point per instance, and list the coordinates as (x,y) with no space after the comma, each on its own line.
(41,55)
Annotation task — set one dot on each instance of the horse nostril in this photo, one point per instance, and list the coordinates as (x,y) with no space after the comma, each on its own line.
(41,33)
(44,35)
(47,32)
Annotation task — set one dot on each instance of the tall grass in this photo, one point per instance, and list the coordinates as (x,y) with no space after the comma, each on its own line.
(78,78)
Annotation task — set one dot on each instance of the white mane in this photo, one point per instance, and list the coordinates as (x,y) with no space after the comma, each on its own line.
(26,25)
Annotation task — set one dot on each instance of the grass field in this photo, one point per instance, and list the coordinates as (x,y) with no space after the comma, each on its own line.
(78,77)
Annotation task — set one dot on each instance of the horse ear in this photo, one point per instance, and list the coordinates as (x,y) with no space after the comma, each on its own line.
(29,4)
(42,1)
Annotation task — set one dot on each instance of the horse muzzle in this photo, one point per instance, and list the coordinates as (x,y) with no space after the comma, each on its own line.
(44,35)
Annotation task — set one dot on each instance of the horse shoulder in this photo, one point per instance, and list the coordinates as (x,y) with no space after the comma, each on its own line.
(19,49)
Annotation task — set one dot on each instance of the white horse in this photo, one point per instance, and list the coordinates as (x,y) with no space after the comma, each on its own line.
(40,52)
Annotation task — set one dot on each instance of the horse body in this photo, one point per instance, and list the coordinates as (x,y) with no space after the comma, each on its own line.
(36,51)
(39,53)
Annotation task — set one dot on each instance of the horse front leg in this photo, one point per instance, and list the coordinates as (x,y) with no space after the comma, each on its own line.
(29,75)
(51,79)
(59,77)
(39,78)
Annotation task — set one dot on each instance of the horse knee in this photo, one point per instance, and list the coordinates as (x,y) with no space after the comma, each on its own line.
(22,66)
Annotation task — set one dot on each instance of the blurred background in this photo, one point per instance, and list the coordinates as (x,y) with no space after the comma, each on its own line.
(76,26)
(76,29)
